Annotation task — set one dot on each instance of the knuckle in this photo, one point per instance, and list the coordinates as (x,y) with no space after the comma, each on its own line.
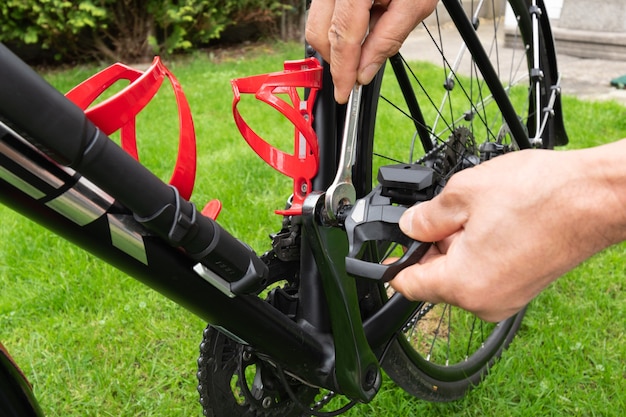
(313,38)
(457,184)
(388,46)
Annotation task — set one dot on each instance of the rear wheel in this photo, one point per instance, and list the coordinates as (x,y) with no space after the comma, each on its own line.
(446,115)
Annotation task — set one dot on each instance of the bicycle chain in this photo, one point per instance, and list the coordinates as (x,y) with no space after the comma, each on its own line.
(431,153)
(418,316)
(324,401)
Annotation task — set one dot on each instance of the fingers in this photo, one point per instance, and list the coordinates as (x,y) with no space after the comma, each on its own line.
(436,281)
(424,281)
(318,22)
(337,30)
(388,30)
(348,29)
(392,22)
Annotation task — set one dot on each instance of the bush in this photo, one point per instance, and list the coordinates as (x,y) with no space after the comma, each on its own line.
(131,30)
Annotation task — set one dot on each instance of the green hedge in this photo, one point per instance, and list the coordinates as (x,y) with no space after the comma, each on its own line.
(130,29)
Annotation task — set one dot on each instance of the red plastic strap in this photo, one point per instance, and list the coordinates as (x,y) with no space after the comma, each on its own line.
(212,209)
(119,112)
(303,163)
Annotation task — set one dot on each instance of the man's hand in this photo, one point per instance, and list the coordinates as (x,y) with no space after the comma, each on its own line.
(357,36)
(509,227)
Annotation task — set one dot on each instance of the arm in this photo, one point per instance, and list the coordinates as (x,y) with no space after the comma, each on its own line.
(509,227)
(337,29)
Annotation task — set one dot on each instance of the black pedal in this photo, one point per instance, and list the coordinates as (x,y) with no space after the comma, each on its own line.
(373,220)
(407,183)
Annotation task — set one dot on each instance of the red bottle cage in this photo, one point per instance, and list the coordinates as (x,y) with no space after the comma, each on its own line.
(120,110)
(302,165)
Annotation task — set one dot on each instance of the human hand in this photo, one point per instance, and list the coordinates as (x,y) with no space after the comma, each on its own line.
(338,30)
(507,228)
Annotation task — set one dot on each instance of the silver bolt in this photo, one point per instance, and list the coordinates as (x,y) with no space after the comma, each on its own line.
(267,402)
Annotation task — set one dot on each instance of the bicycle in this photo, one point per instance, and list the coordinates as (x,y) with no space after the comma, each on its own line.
(312,318)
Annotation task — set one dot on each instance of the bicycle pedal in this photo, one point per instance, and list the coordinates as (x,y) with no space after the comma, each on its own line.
(373,220)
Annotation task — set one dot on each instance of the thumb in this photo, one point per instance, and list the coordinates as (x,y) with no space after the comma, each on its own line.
(433,220)
(423,282)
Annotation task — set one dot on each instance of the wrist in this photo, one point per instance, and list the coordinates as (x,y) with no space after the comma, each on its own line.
(606,173)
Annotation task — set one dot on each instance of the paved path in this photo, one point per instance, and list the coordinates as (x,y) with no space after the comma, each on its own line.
(587,79)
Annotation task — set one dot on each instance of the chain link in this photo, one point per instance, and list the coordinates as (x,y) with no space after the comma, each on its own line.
(417,317)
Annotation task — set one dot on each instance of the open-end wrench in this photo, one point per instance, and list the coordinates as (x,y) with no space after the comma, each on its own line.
(341,192)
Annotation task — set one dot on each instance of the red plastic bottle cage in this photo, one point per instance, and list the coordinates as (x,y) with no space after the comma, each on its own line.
(120,110)
(302,165)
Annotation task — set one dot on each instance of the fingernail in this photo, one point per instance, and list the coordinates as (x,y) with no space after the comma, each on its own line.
(406,221)
(368,73)
(341,97)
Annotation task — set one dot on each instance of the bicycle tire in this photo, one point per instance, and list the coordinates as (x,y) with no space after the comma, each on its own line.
(412,359)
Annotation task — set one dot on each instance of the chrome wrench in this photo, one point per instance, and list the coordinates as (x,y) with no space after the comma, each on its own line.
(341,192)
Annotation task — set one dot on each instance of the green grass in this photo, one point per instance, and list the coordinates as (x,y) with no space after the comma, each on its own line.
(97,343)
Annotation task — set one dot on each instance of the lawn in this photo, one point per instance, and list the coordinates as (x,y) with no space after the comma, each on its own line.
(94,342)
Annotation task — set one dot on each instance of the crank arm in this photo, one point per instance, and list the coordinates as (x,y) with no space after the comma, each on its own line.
(357,372)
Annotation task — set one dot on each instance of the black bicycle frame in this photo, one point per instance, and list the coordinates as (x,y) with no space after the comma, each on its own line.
(78,209)
(58,169)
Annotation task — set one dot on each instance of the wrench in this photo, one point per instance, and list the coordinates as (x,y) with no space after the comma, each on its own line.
(341,192)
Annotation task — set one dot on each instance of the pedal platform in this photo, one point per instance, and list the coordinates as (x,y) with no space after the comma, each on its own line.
(373,220)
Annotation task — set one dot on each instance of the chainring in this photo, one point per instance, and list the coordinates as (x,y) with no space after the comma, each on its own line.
(233,382)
